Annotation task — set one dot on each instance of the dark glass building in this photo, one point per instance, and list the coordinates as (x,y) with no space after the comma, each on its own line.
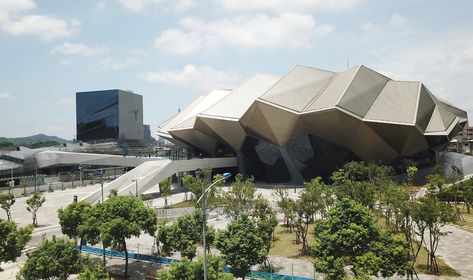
(114,115)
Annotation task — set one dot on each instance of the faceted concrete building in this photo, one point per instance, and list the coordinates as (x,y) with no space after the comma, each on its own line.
(311,121)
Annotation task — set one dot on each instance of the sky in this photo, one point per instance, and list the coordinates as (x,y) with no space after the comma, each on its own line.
(172,51)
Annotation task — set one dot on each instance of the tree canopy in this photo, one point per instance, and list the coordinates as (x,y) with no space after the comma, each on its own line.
(54,259)
(6,202)
(348,236)
(117,219)
(241,245)
(34,203)
(12,240)
(189,270)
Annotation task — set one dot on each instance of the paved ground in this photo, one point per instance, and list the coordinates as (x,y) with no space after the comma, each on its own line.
(456,248)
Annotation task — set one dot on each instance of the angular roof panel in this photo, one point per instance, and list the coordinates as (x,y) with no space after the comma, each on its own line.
(297,88)
(396,103)
(165,126)
(206,102)
(235,104)
(363,90)
(425,108)
(329,96)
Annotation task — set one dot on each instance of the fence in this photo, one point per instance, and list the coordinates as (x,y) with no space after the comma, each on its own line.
(167,261)
(50,183)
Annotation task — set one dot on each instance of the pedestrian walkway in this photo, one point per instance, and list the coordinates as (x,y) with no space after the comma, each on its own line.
(456,249)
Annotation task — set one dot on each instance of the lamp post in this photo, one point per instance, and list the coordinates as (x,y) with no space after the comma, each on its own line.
(136,186)
(203,198)
(80,176)
(101,181)
(12,183)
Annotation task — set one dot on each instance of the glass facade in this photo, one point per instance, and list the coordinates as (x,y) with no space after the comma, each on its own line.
(97,115)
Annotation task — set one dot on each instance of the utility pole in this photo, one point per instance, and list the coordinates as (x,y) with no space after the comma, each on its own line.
(136,186)
(35,173)
(80,175)
(12,183)
(101,181)
(204,217)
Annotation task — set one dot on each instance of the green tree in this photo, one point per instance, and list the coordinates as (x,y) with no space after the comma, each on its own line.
(353,182)
(286,205)
(122,217)
(189,270)
(468,197)
(164,239)
(90,228)
(436,182)
(411,171)
(240,197)
(361,182)
(184,235)
(393,198)
(6,202)
(266,221)
(187,233)
(241,245)
(35,202)
(12,240)
(72,217)
(165,190)
(348,236)
(93,271)
(432,215)
(306,207)
(54,259)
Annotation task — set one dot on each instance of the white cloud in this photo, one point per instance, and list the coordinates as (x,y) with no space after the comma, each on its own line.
(294,6)
(395,21)
(179,42)
(288,30)
(200,77)
(79,49)
(140,5)
(13,21)
(116,64)
(45,27)
(6,96)
(12,7)
(65,61)
(183,5)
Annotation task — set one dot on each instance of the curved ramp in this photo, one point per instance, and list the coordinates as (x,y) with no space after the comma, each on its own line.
(149,174)
(59,158)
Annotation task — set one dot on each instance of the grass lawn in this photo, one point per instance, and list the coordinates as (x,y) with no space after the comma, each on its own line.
(285,245)
(445,270)
(182,204)
(467,224)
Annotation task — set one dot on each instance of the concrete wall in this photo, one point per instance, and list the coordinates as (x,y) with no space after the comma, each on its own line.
(130,116)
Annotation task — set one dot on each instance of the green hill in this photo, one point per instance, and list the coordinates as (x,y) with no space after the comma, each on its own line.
(35,141)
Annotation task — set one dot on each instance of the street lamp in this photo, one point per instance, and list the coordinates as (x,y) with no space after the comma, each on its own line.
(12,182)
(80,176)
(136,186)
(101,181)
(204,191)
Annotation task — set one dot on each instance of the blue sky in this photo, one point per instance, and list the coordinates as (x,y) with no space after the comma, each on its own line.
(171,51)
